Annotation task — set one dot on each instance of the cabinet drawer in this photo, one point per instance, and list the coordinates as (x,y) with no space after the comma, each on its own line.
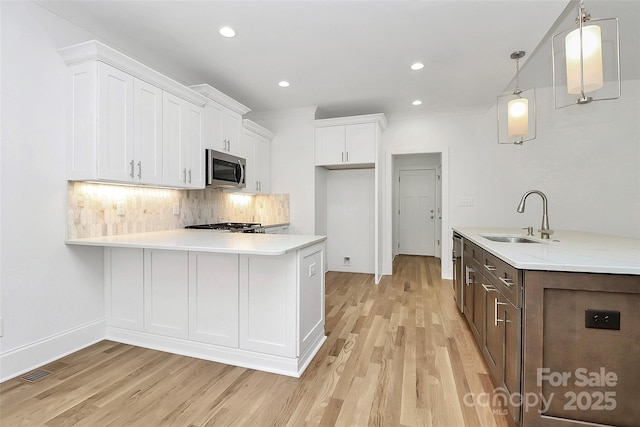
(507,279)
(473,254)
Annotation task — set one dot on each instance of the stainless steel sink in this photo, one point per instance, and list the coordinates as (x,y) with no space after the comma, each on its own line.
(508,238)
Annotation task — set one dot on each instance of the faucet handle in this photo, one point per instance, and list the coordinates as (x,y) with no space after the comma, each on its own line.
(545,233)
(529,230)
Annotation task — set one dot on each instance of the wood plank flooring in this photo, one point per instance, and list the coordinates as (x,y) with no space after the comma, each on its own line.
(397,354)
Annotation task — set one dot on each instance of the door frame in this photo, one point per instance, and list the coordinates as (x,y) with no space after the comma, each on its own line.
(386,244)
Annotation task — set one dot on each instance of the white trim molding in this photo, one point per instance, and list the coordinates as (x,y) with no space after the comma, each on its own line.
(94,50)
(31,356)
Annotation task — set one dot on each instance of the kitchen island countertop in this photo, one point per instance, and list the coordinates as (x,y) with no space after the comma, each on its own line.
(206,241)
(575,251)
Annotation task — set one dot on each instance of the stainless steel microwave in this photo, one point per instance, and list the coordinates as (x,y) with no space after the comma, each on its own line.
(225,170)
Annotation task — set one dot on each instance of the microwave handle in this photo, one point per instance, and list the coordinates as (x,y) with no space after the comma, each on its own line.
(241,173)
(209,169)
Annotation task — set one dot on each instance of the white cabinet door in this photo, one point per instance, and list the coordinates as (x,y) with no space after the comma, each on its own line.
(115,124)
(249,154)
(172,119)
(211,127)
(231,131)
(262,156)
(256,150)
(330,145)
(183,155)
(166,293)
(268,298)
(213,298)
(361,143)
(123,278)
(193,150)
(311,304)
(147,120)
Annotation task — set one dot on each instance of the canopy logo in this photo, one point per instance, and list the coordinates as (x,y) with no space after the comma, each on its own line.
(594,400)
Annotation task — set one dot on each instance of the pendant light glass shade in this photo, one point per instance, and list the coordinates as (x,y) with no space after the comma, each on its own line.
(586,61)
(516,112)
(518,117)
(590,78)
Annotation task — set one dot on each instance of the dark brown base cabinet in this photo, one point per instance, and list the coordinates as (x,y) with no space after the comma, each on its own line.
(495,320)
(549,368)
(591,375)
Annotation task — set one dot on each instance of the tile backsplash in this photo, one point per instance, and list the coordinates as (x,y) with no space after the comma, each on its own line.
(92,209)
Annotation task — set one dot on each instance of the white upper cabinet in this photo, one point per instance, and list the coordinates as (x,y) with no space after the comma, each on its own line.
(348,142)
(115,127)
(223,120)
(183,147)
(231,131)
(257,152)
(330,145)
(116,122)
(147,119)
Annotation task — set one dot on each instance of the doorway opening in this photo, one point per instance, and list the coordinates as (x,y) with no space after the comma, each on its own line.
(417,204)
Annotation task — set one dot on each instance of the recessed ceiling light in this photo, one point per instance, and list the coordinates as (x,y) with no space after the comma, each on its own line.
(416,102)
(227,32)
(417,66)
(284,83)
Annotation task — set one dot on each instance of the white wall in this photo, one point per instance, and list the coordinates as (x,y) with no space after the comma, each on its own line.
(292,163)
(351,220)
(52,295)
(586,159)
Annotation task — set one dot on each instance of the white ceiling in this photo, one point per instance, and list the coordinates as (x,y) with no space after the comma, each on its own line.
(346,57)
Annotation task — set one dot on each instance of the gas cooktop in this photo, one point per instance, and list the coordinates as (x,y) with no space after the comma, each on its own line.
(238,227)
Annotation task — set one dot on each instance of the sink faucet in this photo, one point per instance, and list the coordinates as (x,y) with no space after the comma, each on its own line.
(545,231)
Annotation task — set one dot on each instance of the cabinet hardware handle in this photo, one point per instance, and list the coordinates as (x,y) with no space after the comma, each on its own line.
(189,176)
(489,288)
(343,157)
(184,175)
(468,272)
(506,281)
(495,311)
(131,164)
(490,267)
(228,145)
(140,170)
(347,157)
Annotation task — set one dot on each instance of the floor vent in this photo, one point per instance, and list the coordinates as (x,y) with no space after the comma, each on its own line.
(36,375)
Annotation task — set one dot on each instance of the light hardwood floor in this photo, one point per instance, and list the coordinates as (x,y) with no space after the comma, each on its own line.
(397,354)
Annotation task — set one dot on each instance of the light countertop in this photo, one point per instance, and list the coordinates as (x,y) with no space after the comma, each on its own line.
(206,241)
(575,251)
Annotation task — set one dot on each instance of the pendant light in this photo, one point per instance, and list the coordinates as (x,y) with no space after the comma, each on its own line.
(517,111)
(586,61)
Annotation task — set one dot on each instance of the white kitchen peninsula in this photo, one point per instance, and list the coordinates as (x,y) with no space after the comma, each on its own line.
(251,300)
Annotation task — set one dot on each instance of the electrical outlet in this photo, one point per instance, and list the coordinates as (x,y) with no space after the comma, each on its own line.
(465,201)
(176,208)
(347,261)
(602,319)
(312,270)
(120,208)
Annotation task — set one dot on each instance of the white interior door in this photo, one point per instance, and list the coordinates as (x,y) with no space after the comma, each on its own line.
(417,216)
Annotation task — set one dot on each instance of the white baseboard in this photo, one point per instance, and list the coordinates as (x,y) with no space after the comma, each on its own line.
(26,358)
(290,366)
